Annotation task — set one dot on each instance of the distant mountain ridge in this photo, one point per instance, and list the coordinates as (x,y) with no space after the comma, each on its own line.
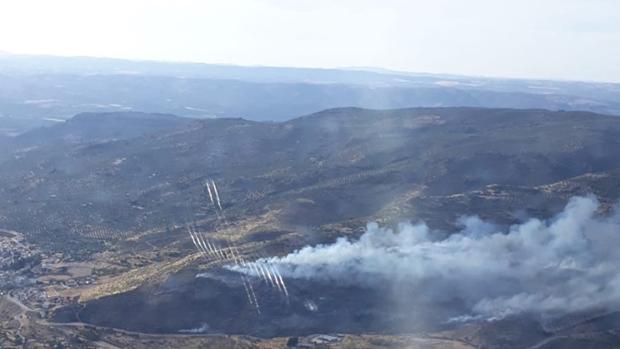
(99,127)
(43,87)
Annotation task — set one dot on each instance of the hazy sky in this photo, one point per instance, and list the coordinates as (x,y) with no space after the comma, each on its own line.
(565,39)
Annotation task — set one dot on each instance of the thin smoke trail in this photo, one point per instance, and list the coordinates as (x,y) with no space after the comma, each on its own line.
(253,300)
(217,195)
(235,257)
(247,289)
(192,233)
(261,271)
(269,276)
(275,277)
(209,191)
(230,253)
(219,252)
(201,242)
(205,243)
(222,255)
(236,253)
(211,248)
(264,263)
(192,237)
(283,284)
(266,273)
(280,282)
(254,297)
(195,239)
(254,269)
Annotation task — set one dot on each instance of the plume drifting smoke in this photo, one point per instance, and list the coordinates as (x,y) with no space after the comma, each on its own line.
(568,263)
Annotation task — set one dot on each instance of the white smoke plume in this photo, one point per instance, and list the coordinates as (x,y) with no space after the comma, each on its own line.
(567,263)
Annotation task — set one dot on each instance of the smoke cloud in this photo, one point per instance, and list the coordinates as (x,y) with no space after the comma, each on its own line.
(567,263)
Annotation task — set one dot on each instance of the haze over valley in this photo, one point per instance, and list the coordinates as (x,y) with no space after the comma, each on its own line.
(42,90)
(326,186)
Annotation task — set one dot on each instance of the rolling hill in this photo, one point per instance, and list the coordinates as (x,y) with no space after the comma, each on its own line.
(116,192)
(141,170)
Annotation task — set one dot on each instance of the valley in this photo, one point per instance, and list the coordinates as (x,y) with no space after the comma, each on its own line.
(98,216)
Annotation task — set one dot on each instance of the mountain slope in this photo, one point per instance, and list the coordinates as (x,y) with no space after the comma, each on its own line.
(341,164)
(109,202)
